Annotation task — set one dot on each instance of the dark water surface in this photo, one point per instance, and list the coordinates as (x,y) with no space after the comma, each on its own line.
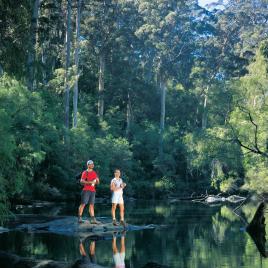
(190,235)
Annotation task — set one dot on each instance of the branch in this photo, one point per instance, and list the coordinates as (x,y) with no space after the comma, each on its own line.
(256,149)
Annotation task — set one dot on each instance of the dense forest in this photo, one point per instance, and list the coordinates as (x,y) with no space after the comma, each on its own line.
(172,93)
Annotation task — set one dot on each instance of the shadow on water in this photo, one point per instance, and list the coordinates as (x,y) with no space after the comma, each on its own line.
(256,230)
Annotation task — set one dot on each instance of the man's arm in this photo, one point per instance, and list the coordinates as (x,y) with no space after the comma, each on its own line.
(84,182)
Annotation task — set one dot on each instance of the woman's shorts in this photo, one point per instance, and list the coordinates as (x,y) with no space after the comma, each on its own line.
(117,198)
(87,197)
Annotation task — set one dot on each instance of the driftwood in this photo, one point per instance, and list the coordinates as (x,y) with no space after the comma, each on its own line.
(256,229)
(209,199)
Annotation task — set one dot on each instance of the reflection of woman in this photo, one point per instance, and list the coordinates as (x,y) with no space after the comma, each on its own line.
(119,257)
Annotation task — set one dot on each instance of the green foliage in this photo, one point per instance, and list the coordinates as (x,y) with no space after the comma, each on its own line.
(248,120)
(212,155)
(165,185)
(215,133)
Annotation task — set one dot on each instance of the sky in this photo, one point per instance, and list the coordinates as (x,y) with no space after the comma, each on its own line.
(205,2)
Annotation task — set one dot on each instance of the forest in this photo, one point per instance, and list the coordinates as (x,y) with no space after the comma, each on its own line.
(170,92)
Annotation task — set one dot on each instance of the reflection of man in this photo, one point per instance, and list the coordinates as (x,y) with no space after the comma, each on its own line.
(92,257)
(119,257)
(87,261)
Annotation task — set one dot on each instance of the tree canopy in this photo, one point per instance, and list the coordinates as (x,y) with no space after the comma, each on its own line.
(171,93)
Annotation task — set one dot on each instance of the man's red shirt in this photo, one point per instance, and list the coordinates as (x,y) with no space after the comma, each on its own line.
(89,176)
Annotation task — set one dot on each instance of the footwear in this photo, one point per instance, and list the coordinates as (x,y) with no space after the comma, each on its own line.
(123,223)
(115,223)
(94,221)
(80,220)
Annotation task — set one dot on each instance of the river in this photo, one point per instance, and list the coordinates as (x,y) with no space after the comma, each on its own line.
(187,234)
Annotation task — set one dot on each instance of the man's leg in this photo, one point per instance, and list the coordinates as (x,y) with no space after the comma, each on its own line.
(82,249)
(91,210)
(84,201)
(81,209)
(92,252)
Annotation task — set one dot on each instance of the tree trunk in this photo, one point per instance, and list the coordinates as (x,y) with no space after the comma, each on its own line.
(128,115)
(1,70)
(101,85)
(76,59)
(67,62)
(32,45)
(162,87)
(205,113)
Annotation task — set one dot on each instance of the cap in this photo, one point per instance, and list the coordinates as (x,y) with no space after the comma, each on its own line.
(90,162)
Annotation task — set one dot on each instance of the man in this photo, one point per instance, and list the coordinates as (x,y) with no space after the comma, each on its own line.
(89,179)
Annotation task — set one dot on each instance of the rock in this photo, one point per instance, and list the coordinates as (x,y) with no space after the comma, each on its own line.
(69,225)
(3,230)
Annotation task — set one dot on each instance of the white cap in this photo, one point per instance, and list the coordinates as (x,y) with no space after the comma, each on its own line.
(90,162)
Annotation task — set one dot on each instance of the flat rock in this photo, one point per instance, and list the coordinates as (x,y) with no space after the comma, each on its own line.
(68,225)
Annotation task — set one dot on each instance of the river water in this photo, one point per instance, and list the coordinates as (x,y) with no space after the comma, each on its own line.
(188,234)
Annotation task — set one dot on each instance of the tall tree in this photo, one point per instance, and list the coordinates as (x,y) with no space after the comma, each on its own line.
(32,45)
(100,27)
(51,36)
(167,33)
(76,61)
(67,62)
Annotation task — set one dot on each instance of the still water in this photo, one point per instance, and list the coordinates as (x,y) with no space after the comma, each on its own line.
(189,235)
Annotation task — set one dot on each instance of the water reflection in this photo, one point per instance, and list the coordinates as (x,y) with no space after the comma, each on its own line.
(88,259)
(195,236)
(119,255)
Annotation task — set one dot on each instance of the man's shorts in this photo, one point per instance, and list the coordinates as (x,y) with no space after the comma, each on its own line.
(87,197)
(117,198)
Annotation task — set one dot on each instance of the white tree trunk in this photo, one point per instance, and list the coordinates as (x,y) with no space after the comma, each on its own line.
(32,47)
(205,113)
(101,86)
(76,59)
(67,62)
(128,115)
(162,87)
